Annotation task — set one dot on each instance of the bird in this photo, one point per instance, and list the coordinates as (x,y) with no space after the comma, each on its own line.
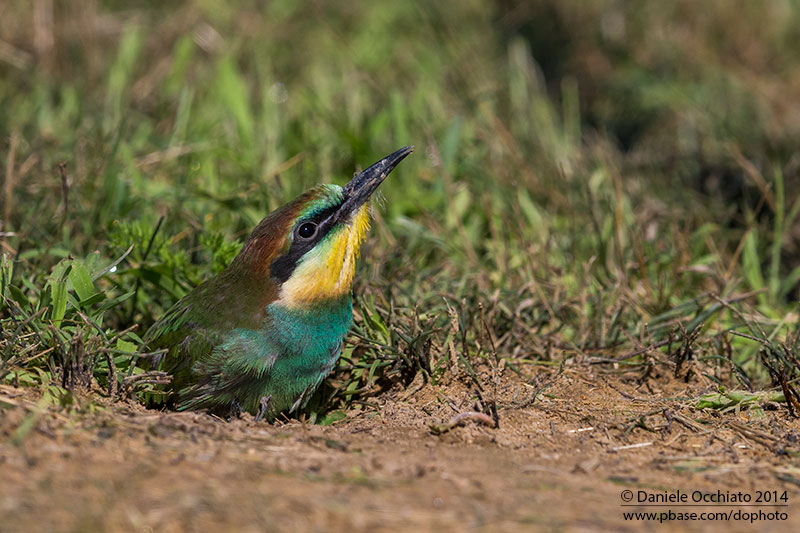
(261,335)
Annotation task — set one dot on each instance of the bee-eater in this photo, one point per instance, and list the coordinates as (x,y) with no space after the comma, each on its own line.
(261,335)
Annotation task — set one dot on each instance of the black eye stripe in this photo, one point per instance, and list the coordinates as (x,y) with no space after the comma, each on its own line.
(316,219)
(282,268)
(322,215)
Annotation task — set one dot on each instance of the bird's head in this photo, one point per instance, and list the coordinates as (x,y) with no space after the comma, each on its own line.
(309,246)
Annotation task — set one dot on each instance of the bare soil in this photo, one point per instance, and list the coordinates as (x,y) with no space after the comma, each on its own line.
(560,462)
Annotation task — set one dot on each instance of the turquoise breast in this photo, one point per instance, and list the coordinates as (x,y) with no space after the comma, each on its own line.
(310,333)
(309,344)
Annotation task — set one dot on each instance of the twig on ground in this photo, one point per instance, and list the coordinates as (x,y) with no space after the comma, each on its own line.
(154,377)
(459,419)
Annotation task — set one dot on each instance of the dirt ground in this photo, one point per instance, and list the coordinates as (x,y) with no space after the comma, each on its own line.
(559,463)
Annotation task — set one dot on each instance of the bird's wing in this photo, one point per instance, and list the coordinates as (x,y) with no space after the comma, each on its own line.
(209,335)
(234,371)
(219,305)
(185,336)
(170,328)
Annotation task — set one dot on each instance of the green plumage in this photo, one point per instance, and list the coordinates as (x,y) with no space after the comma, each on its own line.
(220,355)
(240,340)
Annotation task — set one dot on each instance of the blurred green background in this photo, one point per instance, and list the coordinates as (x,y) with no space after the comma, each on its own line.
(590,177)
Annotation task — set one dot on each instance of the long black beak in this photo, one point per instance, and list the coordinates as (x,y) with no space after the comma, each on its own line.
(360,188)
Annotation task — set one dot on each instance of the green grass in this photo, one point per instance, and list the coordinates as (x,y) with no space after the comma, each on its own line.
(589,180)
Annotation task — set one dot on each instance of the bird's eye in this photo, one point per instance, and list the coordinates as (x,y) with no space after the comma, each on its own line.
(307,230)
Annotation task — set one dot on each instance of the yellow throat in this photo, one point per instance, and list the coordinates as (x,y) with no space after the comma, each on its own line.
(326,272)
